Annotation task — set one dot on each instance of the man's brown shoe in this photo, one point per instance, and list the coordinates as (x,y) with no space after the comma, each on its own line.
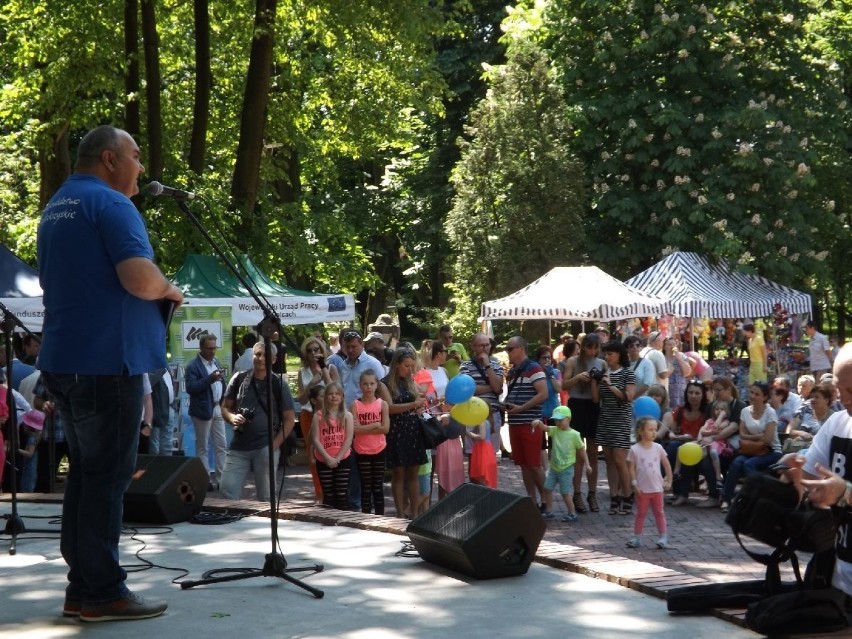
(132,606)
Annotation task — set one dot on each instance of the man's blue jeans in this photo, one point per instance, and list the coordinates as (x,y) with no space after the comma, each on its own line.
(161,438)
(238,465)
(101,415)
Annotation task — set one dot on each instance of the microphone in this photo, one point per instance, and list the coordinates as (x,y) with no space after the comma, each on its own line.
(157,189)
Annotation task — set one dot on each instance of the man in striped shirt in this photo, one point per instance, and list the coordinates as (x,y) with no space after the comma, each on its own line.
(527,390)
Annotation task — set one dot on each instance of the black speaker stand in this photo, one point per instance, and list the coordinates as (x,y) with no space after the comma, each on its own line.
(275,565)
(14,524)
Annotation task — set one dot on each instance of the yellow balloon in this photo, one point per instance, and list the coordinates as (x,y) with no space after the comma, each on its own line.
(452,367)
(470,413)
(690,454)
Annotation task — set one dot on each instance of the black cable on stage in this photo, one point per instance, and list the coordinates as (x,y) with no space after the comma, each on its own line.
(207,518)
(147,564)
(408,551)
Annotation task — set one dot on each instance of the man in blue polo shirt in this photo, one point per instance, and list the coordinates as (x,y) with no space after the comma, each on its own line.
(95,260)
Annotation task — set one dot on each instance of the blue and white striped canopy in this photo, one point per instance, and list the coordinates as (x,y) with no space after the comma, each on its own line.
(583,293)
(693,287)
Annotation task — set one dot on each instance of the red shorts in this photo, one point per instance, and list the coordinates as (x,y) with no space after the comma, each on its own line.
(526,444)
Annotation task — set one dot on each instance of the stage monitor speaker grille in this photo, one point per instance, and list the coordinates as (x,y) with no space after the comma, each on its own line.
(479,532)
(165,489)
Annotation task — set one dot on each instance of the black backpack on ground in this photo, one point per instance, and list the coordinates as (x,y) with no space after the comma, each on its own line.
(770,511)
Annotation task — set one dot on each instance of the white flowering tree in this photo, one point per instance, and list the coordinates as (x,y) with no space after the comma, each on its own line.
(700,125)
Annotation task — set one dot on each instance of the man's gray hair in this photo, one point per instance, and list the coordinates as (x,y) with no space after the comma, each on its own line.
(95,142)
(261,344)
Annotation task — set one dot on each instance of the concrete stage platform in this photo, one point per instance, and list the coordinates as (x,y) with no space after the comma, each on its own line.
(369,591)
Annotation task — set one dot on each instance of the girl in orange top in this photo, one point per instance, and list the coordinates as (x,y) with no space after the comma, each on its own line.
(371,424)
(331,432)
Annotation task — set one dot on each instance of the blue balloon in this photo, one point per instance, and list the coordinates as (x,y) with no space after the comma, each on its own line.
(645,407)
(460,389)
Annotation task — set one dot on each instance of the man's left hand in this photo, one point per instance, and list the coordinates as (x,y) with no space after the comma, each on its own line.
(827,490)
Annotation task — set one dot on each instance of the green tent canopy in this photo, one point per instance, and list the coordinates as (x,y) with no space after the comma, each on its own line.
(205,280)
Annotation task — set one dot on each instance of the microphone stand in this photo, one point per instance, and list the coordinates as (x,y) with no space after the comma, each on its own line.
(14,523)
(275,565)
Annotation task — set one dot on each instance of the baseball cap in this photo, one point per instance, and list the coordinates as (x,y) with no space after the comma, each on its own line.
(561,412)
(653,335)
(374,335)
(826,378)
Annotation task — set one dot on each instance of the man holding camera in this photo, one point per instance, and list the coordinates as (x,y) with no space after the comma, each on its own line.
(205,383)
(244,408)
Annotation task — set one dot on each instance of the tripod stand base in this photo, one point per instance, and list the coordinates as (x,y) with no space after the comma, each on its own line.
(15,527)
(275,565)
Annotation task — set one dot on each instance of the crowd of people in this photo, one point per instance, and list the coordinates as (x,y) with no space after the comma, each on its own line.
(363,404)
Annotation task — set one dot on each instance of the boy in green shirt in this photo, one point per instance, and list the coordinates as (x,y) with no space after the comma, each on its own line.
(566,448)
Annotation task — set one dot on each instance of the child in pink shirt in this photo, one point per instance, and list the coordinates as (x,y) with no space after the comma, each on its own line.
(644,461)
(371,422)
(331,433)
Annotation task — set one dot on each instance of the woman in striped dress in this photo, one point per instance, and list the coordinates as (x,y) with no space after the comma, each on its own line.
(614,391)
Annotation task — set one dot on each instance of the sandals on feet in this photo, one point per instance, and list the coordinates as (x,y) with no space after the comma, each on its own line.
(614,505)
(579,506)
(593,503)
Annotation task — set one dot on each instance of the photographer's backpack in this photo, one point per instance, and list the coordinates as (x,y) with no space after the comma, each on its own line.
(770,511)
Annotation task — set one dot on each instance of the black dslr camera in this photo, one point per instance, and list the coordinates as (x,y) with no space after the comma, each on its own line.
(246,412)
(596,374)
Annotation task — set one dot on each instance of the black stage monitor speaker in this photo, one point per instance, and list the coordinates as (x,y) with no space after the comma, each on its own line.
(165,489)
(480,532)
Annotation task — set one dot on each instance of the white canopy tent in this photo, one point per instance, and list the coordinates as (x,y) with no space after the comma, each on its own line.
(565,293)
(693,287)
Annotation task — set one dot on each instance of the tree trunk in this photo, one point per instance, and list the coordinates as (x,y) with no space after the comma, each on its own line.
(203,84)
(246,179)
(154,114)
(54,165)
(288,186)
(132,122)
